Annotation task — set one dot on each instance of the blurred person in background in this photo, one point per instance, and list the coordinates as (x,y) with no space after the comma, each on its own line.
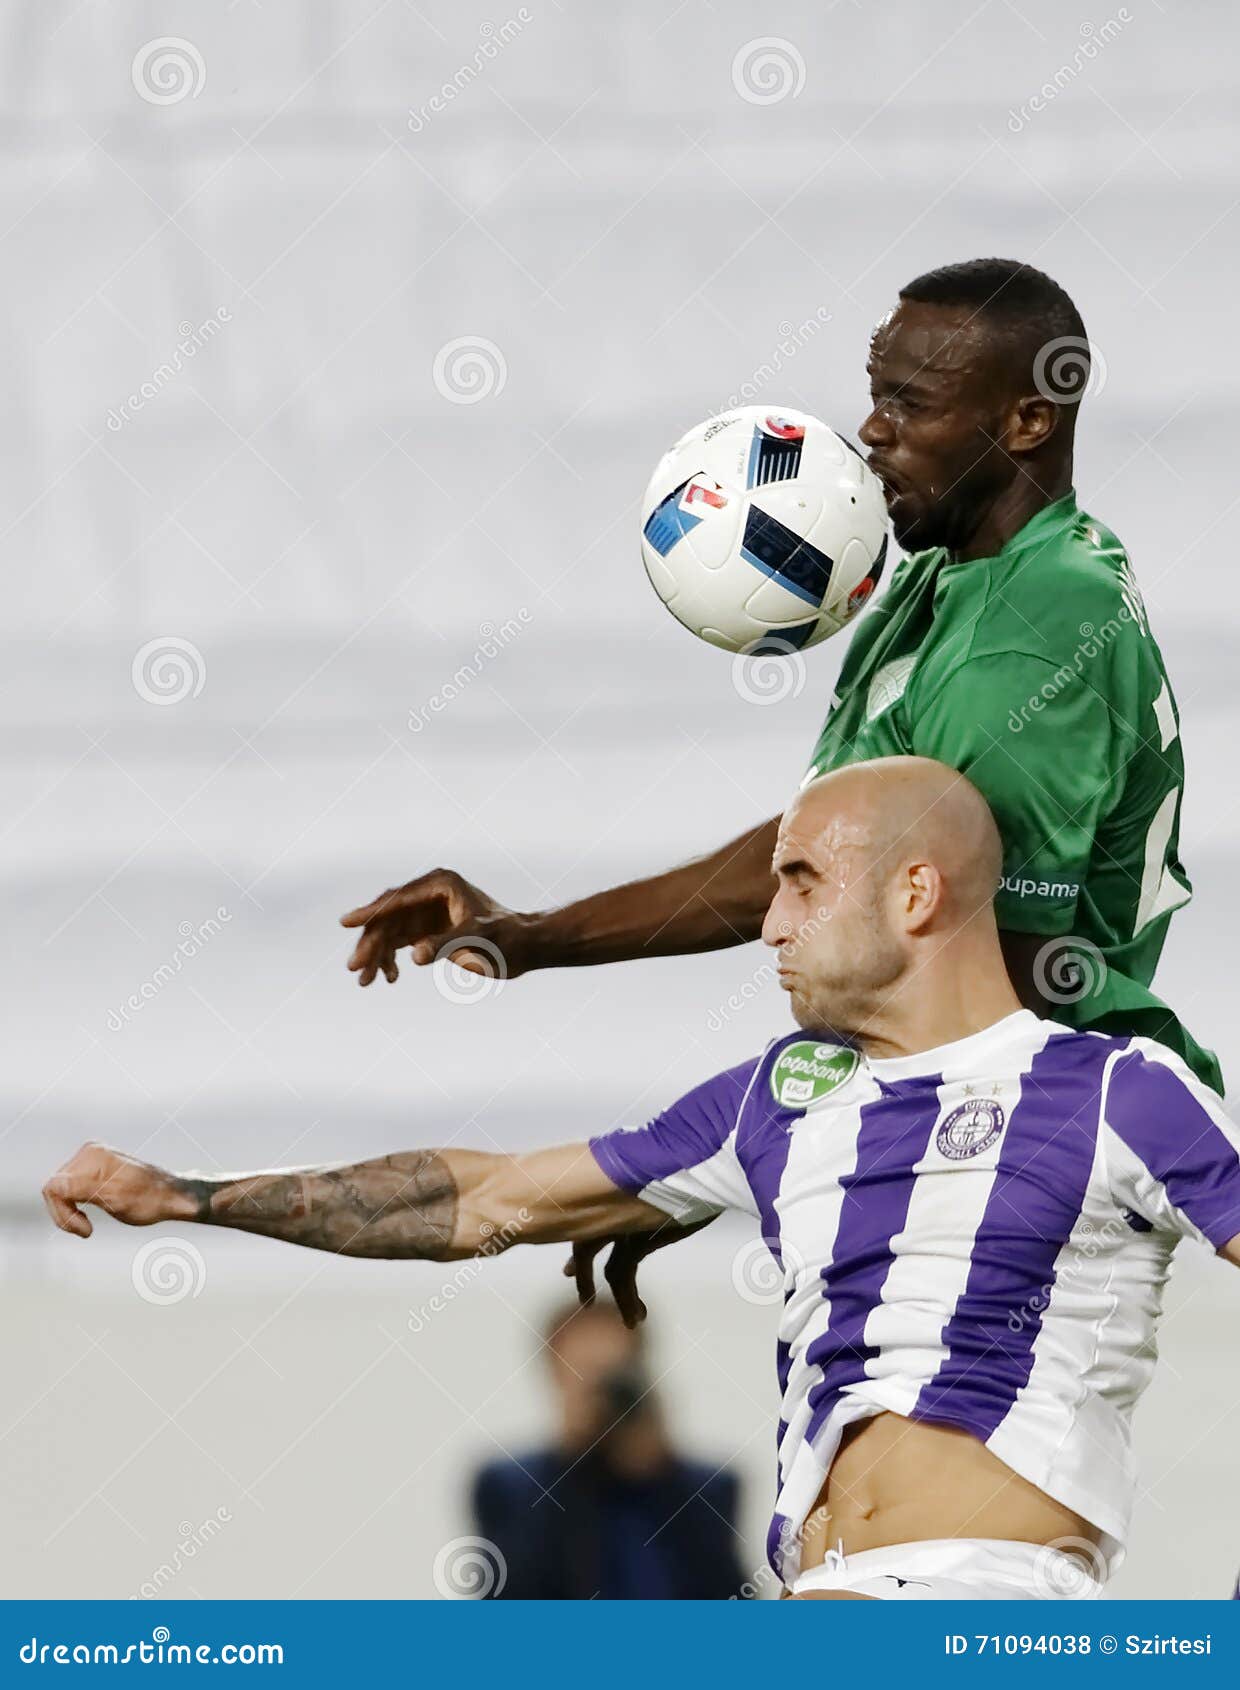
(610,1508)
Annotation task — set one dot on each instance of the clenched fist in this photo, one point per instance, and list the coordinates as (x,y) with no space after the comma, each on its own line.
(134,1192)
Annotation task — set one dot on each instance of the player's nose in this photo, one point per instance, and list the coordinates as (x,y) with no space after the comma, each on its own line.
(876,430)
(776,929)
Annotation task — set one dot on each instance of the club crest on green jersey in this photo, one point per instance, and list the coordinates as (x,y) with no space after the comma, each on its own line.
(807,1071)
(888,685)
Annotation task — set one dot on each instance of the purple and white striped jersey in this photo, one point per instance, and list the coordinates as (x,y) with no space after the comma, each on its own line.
(978,1235)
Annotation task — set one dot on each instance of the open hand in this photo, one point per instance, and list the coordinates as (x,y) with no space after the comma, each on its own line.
(439,914)
(628,1251)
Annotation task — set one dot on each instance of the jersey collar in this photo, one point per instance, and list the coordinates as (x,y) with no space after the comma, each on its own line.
(1042,526)
(961,1055)
(1052,519)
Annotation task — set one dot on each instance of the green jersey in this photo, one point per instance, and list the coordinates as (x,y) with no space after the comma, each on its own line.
(1035,674)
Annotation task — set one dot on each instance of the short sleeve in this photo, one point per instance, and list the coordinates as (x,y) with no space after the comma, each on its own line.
(1038,743)
(684,1161)
(1174,1155)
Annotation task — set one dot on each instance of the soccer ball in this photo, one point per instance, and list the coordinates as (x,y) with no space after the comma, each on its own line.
(763,530)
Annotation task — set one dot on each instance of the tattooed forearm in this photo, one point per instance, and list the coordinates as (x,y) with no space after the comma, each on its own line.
(402,1205)
(199,1191)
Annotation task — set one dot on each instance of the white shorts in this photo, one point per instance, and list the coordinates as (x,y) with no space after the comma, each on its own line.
(955,1569)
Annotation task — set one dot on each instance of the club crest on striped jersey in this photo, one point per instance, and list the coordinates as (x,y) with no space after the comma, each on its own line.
(807,1071)
(969,1129)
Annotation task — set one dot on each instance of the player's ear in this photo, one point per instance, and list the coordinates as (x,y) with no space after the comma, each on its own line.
(1031,422)
(923,894)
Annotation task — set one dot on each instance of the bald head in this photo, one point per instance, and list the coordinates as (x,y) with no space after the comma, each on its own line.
(896,809)
(886,876)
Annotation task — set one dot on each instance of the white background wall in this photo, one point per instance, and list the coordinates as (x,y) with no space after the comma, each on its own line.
(330,534)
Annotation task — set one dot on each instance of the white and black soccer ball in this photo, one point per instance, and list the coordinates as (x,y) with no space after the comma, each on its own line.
(763,530)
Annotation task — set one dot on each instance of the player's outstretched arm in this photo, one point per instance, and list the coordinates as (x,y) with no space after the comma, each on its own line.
(703,905)
(438,1205)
